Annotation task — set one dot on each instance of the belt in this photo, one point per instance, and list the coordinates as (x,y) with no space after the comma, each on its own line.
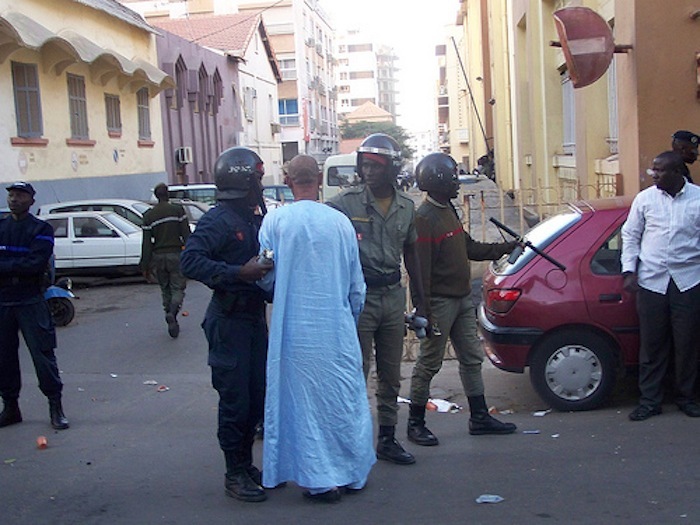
(377,281)
(239,303)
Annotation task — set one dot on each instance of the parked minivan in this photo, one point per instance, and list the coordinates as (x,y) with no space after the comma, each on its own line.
(339,172)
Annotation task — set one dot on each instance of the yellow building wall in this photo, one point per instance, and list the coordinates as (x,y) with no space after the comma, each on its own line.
(109,156)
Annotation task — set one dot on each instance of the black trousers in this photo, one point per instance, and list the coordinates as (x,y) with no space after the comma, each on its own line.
(237,356)
(34,321)
(667,323)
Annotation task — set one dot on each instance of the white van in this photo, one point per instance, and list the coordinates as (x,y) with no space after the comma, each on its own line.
(339,172)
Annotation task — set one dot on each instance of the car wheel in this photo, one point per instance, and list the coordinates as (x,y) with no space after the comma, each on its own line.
(62,310)
(573,370)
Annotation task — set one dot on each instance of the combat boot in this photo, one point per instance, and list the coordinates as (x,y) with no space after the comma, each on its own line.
(481,422)
(417,432)
(389,449)
(171,320)
(239,485)
(10,414)
(58,419)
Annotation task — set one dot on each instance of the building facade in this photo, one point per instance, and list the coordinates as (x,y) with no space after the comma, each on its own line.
(366,72)
(226,93)
(79,116)
(553,142)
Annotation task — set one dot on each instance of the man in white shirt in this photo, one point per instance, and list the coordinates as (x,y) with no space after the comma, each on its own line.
(661,262)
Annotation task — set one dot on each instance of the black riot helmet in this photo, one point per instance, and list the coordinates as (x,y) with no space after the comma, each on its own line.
(438,172)
(383,149)
(236,171)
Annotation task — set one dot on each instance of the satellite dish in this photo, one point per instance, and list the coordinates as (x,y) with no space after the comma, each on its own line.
(587,42)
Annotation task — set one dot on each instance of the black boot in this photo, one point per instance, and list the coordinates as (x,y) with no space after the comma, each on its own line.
(239,485)
(391,450)
(481,421)
(242,478)
(58,419)
(10,413)
(417,432)
(171,319)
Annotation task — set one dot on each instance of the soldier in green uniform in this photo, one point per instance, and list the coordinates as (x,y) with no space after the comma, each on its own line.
(165,231)
(383,218)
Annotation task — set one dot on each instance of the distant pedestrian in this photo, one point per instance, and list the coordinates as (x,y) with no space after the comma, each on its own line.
(165,232)
(26,246)
(318,426)
(445,250)
(222,253)
(661,263)
(685,143)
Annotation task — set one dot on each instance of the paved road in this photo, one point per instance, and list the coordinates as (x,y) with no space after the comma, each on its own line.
(137,456)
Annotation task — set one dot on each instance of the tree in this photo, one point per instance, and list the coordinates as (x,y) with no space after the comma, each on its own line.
(363,128)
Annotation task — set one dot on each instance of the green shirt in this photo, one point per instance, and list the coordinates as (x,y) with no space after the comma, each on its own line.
(165,230)
(381,238)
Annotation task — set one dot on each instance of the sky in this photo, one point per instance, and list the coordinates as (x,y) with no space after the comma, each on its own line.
(413,28)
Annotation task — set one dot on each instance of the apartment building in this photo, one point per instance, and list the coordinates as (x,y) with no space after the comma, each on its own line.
(366,72)
(301,35)
(553,142)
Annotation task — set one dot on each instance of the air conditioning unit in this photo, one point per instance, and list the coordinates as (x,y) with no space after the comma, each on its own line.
(275,127)
(183,155)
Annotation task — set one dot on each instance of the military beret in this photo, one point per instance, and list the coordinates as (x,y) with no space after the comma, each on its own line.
(686,136)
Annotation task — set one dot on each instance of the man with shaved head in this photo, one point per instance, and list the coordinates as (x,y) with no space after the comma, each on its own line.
(318,428)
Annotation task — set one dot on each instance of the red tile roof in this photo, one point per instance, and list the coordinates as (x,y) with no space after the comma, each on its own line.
(228,33)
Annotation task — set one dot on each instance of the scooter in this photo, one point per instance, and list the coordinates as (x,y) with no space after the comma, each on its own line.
(59,297)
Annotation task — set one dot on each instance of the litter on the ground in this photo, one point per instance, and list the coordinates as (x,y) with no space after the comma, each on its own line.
(400,399)
(555,436)
(81,389)
(162,388)
(494,410)
(531,431)
(442,405)
(150,382)
(10,461)
(541,413)
(113,375)
(489,498)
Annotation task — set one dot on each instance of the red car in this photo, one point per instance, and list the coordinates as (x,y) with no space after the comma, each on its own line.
(564,313)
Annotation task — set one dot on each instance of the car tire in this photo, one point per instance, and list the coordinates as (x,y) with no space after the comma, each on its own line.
(573,370)
(62,310)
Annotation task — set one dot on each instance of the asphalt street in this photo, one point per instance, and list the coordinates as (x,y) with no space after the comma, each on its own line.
(142,453)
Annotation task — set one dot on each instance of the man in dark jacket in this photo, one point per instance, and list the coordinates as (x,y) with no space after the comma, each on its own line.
(445,249)
(685,143)
(222,253)
(26,245)
(165,232)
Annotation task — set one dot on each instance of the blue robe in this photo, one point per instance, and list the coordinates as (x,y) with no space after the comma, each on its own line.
(318,427)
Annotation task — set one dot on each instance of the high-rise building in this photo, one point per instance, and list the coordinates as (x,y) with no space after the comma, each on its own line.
(366,72)
(301,35)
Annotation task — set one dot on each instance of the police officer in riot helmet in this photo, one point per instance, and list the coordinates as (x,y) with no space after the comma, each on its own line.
(383,218)
(444,258)
(222,253)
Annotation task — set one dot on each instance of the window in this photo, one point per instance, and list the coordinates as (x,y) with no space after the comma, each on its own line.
(27,102)
(249,96)
(612,107)
(361,74)
(289,112)
(144,114)
(288,69)
(60,227)
(77,104)
(568,114)
(113,111)
(606,260)
(357,48)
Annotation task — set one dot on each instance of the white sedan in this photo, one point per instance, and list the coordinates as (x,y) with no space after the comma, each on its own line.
(94,243)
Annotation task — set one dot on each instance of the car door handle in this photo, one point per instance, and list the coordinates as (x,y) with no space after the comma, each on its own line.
(610,298)
(76,241)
